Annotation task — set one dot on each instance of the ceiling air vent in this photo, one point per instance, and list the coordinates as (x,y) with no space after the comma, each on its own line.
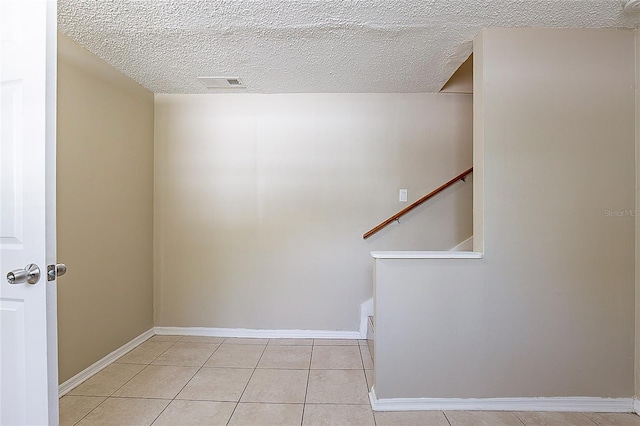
(222,82)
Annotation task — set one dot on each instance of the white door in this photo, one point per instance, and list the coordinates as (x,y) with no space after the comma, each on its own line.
(28,352)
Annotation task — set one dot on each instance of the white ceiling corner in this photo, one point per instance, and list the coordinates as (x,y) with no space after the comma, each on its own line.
(308,46)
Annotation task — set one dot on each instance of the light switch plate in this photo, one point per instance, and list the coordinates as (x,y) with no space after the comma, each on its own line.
(402,196)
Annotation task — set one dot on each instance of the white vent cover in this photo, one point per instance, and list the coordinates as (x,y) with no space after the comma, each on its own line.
(222,82)
(632,6)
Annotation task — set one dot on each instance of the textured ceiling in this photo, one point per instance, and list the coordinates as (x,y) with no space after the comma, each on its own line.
(284,46)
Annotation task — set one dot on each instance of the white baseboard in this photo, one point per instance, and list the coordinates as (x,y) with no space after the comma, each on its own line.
(102,363)
(636,406)
(580,404)
(366,310)
(260,334)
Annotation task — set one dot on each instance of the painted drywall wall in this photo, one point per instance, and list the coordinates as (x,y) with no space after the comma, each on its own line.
(637,211)
(549,310)
(104,208)
(462,80)
(261,201)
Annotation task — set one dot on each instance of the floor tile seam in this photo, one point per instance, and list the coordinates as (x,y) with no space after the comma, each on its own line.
(285,348)
(140,397)
(228,368)
(162,411)
(281,368)
(117,361)
(166,341)
(338,346)
(447,418)
(188,381)
(261,354)
(246,385)
(266,341)
(288,345)
(338,403)
(200,368)
(233,411)
(230,343)
(90,411)
(87,395)
(214,351)
(594,421)
(362,351)
(146,365)
(217,345)
(121,397)
(306,389)
(244,344)
(127,381)
(197,345)
(362,361)
(172,341)
(183,336)
(157,356)
(178,365)
(519,419)
(272,403)
(178,398)
(339,369)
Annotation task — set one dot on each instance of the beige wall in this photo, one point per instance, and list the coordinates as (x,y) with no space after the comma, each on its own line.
(104,208)
(637,287)
(462,80)
(261,201)
(549,310)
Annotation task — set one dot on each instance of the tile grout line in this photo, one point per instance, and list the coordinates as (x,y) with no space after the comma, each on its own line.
(306,390)
(248,381)
(203,366)
(108,396)
(83,417)
(592,420)
(117,389)
(181,389)
(111,394)
(126,397)
(366,384)
(185,385)
(177,393)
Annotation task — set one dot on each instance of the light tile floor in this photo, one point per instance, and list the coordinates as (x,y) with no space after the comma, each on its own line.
(187,380)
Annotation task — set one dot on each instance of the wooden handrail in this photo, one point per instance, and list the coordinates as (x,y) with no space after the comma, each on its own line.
(416,204)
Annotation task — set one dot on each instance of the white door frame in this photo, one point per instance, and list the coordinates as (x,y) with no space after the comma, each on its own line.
(51,223)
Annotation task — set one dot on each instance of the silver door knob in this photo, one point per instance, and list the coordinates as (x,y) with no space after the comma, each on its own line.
(30,274)
(57,270)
